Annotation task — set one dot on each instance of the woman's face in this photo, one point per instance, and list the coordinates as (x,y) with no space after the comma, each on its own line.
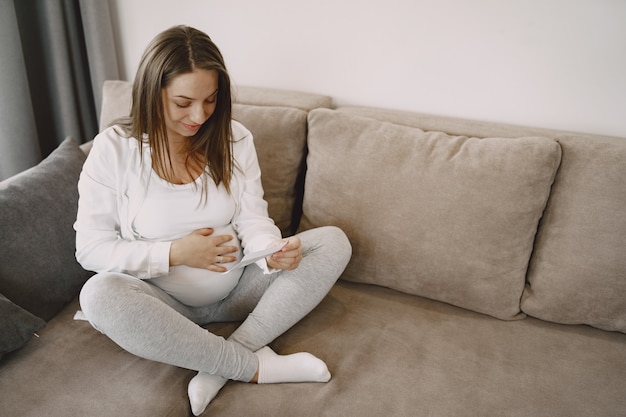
(188,101)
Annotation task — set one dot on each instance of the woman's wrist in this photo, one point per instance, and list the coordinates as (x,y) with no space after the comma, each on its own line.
(175,256)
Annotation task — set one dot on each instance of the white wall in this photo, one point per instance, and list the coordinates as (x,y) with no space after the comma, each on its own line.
(547,63)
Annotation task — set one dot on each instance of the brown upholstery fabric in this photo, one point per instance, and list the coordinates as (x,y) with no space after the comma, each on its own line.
(390,354)
(260,96)
(446,217)
(280,141)
(116,99)
(578,272)
(449,125)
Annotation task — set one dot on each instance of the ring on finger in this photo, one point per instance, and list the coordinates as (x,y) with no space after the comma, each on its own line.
(219,260)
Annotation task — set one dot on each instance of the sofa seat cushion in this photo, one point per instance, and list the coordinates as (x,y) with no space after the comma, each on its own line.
(446,217)
(390,354)
(72,370)
(578,271)
(38,270)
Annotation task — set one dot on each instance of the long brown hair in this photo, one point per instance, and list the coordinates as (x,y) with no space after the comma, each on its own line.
(176,51)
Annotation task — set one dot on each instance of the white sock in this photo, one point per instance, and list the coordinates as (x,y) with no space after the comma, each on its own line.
(202,389)
(297,367)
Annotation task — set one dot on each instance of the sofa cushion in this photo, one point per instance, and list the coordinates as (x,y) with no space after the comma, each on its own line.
(16,326)
(260,96)
(116,99)
(446,217)
(578,271)
(451,125)
(38,270)
(390,354)
(280,141)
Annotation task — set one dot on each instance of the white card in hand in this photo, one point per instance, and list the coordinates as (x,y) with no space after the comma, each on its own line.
(255,256)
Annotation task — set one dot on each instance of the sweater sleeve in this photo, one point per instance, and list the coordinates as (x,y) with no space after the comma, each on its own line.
(255,228)
(100,246)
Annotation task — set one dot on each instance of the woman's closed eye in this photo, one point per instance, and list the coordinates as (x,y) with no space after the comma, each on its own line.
(212,98)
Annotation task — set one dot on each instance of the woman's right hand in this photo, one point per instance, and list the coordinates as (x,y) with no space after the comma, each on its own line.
(202,250)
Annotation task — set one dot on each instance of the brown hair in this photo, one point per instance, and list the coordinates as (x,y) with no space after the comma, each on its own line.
(176,51)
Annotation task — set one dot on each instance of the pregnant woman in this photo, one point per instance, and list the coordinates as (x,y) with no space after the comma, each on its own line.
(170,199)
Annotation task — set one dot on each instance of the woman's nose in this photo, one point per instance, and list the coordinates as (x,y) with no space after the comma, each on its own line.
(198,115)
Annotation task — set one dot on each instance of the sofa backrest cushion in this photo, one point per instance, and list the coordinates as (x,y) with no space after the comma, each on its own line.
(278,122)
(578,271)
(116,99)
(455,126)
(260,96)
(280,141)
(450,218)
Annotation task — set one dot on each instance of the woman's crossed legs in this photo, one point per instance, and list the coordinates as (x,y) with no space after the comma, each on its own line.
(146,321)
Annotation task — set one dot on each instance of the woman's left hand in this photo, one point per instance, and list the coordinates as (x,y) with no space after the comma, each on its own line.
(289,257)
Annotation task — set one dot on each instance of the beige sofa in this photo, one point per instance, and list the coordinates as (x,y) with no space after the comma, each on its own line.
(488,275)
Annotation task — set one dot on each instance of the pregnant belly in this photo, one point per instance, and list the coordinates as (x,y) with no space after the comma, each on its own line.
(200,287)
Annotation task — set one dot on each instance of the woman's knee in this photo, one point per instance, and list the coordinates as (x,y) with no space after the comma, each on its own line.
(338,244)
(344,248)
(98,292)
(331,241)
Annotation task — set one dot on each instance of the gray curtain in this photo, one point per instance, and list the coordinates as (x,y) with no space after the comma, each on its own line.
(54,57)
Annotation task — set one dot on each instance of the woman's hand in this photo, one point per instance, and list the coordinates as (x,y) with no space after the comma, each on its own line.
(289,257)
(202,250)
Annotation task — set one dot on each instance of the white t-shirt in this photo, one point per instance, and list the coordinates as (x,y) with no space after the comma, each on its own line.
(112,188)
(171,211)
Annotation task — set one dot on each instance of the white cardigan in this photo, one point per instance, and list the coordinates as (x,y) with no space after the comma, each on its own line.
(112,187)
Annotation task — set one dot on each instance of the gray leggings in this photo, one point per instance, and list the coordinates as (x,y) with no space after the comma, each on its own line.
(148,322)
